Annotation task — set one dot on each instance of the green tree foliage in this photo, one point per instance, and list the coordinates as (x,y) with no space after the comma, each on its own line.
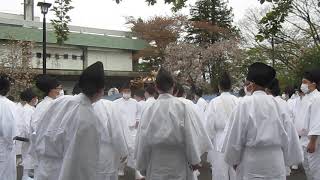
(177,4)
(211,28)
(62,19)
(211,22)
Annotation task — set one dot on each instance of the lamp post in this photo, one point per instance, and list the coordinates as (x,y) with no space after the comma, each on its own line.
(44,10)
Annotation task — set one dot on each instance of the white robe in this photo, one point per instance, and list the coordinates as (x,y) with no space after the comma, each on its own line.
(131,111)
(294,108)
(202,104)
(26,158)
(9,116)
(261,139)
(170,139)
(41,108)
(217,116)
(312,128)
(67,141)
(113,142)
(149,102)
(21,126)
(142,106)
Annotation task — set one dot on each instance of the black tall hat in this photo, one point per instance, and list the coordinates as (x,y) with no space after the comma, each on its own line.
(92,77)
(312,75)
(261,74)
(45,83)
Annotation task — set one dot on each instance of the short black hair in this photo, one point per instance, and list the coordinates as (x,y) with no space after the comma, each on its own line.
(27,95)
(76,89)
(4,84)
(242,93)
(151,90)
(198,92)
(139,93)
(289,90)
(274,87)
(11,98)
(225,82)
(164,80)
(179,90)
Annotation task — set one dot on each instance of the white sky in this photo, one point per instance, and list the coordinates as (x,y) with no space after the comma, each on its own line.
(107,14)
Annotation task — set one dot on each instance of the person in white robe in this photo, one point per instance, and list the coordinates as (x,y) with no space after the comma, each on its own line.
(131,111)
(51,89)
(67,142)
(260,143)
(201,103)
(179,92)
(149,94)
(311,117)
(273,89)
(31,100)
(217,116)
(9,116)
(114,147)
(171,138)
(138,95)
(20,132)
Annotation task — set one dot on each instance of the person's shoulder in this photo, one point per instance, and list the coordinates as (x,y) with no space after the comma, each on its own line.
(132,100)
(316,99)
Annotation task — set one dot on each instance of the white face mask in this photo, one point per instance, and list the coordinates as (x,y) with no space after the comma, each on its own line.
(61,93)
(126,95)
(304,88)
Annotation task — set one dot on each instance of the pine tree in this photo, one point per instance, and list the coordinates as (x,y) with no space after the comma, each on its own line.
(212,22)
(211,25)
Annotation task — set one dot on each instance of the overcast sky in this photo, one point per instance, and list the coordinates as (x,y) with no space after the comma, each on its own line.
(109,15)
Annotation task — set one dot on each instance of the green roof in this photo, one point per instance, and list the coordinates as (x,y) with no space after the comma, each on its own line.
(79,39)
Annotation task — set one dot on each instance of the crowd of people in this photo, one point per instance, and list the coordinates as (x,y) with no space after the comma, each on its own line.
(160,133)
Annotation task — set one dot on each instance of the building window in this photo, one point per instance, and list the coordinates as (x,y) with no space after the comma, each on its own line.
(48,55)
(74,57)
(57,56)
(65,56)
(38,55)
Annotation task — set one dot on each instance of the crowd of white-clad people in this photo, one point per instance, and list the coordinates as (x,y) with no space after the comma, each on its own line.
(160,133)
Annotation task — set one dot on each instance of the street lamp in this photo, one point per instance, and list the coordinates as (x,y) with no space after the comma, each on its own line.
(44,10)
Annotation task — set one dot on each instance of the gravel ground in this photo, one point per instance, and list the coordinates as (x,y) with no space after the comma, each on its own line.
(205,175)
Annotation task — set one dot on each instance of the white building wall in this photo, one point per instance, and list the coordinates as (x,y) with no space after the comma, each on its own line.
(59,62)
(112,60)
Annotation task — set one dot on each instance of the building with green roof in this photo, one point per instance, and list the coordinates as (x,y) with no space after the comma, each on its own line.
(85,46)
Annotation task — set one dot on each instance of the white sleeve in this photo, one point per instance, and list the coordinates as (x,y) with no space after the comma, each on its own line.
(196,139)
(235,139)
(118,136)
(292,150)
(314,121)
(82,154)
(210,121)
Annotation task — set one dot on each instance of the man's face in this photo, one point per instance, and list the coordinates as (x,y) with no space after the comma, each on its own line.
(34,101)
(126,93)
(146,94)
(56,91)
(308,84)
